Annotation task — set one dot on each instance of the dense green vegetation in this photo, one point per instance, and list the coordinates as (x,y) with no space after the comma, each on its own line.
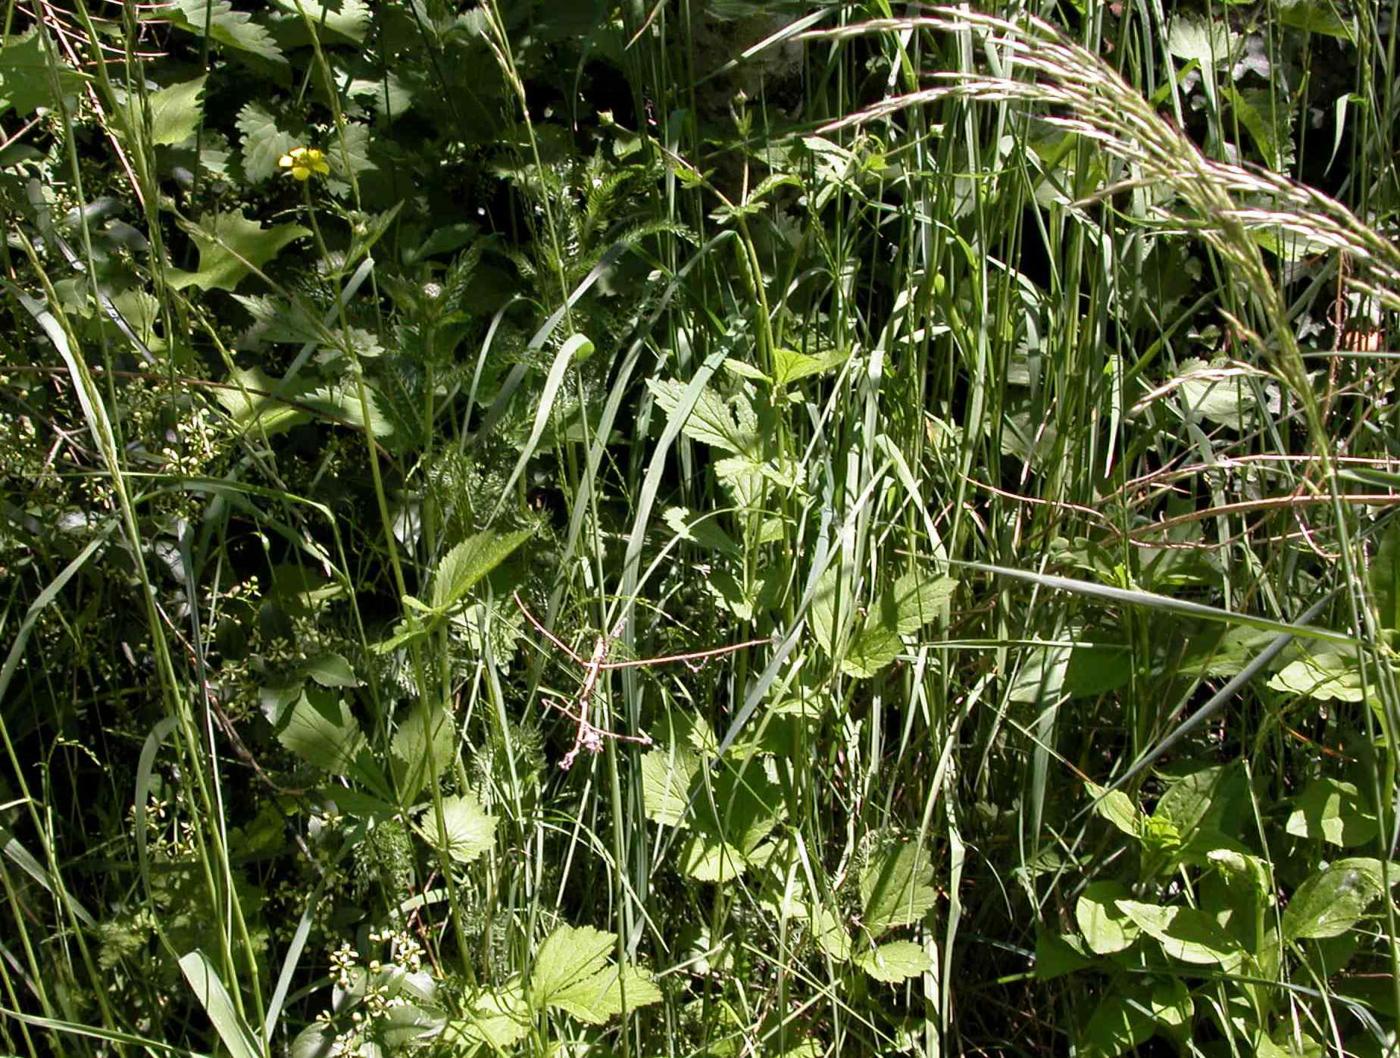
(1005,403)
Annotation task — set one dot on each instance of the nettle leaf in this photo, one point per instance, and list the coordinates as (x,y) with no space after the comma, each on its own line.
(29,79)
(790,366)
(176,111)
(668,776)
(913,601)
(236,29)
(342,403)
(728,424)
(470,831)
(424,745)
(1105,926)
(499,1018)
(1323,677)
(1331,901)
(1316,16)
(1186,933)
(572,973)
(895,962)
(701,530)
(320,729)
(262,142)
(463,567)
(707,858)
(896,887)
(350,19)
(230,247)
(829,931)
(1334,811)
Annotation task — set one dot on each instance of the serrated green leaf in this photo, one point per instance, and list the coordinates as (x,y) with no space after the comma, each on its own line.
(1331,901)
(246,398)
(1316,16)
(606,994)
(470,831)
(896,887)
(321,730)
(342,403)
(1207,41)
(262,143)
(221,23)
(568,956)
(707,858)
(176,111)
(1186,933)
(464,565)
(830,933)
(730,425)
(1106,928)
(667,778)
(912,602)
(350,19)
(701,530)
(895,962)
(424,745)
(29,79)
(1334,811)
(790,366)
(498,1019)
(230,247)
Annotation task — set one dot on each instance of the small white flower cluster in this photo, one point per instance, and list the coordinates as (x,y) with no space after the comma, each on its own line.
(366,994)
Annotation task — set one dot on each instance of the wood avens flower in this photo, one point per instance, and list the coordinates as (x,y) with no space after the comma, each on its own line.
(303,162)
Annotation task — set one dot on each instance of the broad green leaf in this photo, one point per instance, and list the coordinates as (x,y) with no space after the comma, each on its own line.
(1334,811)
(236,29)
(730,425)
(569,957)
(1323,677)
(1118,808)
(1383,573)
(262,142)
(1041,674)
(214,998)
(1118,1024)
(349,19)
(1203,800)
(246,397)
(321,730)
(830,933)
(896,887)
(832,606)
(1316,16)
(1331,901)
(230,247)
(913,601)
(701,530)
(498,1019)
(667,778)
(29,79)
(606,994)
(462,567)
(470,830)
(279,321)
(1105,926)
(176,111)
(707,858)
(894,962)
(331,670)
(1207,41)
(424,746)
(1058,954)
(790,366)
(342,403)
(1186,934)
(1171,1004)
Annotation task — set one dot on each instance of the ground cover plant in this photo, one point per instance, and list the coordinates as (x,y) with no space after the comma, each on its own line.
(698,528)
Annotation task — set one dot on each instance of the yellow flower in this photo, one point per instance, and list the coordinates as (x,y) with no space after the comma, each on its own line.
(302,162)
